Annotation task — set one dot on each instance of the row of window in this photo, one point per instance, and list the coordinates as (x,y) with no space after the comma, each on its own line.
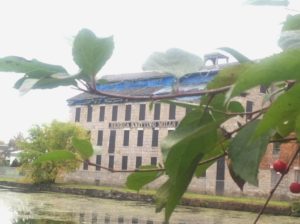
(124,165)
(114,112)
(126,135)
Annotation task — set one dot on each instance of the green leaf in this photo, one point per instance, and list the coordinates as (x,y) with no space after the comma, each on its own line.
(174,61)
(136,180)
(297,126)
(201,169)
(246,152)
(83,146)
(237,55)
(195,136)
(285,108)
(236,178)
(292,23)
(227,76)
(91,53)
(279,67)
(33,68)
(235,107)
(285,128)
(56,156)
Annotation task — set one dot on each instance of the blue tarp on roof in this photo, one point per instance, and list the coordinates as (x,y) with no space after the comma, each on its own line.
(190,79)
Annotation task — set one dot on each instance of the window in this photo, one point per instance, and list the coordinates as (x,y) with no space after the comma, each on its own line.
(142,112)
(263,88)
(138,162)
(114,113)
(77,114)
(172,111)
(276,148)
(153,161)
(111,161)
(89,113)
(102,113)
(98,162)
(140,138)
(249,106)
(112,141)
(124,162)
(155,138)
(126,138)
(157,111)
(127,112)
(100,138)
(86,165)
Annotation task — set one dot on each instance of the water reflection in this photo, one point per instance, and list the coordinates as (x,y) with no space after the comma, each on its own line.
(51,208)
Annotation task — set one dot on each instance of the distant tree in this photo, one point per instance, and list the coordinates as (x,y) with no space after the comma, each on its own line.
(46,139)
(2,142)
(13,142)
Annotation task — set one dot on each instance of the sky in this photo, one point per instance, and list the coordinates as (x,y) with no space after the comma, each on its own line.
(44,30)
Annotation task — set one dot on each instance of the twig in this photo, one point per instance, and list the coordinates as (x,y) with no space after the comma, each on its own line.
(159,97)
(276,185)
(150,170)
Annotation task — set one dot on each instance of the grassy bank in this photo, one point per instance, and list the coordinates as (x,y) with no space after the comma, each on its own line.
(190,199)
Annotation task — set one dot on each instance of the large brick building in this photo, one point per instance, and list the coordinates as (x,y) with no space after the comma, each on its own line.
(127,134)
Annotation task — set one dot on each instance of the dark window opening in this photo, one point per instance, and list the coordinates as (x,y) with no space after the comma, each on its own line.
(157,111)
(142,112)
(111,161)
(153,161)
(112,141)
(172,111)
(263,88)
(249,107)
(98,162)
(89,113)
(86,165)
(114,113)
(138,162)
(128,113)
(276,148)
(100,138)
(155,138)
(102,113)
(140,138)
(77,114)
(126,138)
(124,162)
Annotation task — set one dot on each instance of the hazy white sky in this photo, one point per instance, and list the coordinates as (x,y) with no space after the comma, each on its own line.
(44,30)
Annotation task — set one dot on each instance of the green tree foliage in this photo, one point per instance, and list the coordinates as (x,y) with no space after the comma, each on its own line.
(54,139)
(201,137)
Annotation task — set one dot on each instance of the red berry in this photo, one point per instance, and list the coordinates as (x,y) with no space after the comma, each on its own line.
(295,187)
(280,166)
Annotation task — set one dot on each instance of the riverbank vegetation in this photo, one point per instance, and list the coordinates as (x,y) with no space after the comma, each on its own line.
(251,204)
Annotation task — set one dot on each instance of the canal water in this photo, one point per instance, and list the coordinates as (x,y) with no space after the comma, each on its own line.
(52,208)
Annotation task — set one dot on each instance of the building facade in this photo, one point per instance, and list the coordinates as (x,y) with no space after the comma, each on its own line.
(127,134)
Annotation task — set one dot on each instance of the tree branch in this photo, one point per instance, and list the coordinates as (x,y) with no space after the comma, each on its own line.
(276,185)
(160,97)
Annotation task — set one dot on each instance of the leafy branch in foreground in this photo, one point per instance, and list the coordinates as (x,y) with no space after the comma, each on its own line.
(202,136)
